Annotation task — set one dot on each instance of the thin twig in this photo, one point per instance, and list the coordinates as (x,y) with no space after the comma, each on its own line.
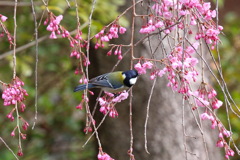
(14,70)
(9,148)
(41,39)
(130,152)
(147,116)
(20,4)
(88,46)
(69,6)
(101,122)
(36,64)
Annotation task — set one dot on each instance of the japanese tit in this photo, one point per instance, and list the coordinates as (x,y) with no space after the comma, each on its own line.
(111,82)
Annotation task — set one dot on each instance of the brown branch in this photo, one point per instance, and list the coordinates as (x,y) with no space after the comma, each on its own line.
(26,46)
(20,4)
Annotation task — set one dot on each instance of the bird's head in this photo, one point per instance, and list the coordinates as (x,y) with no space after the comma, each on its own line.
(130,77)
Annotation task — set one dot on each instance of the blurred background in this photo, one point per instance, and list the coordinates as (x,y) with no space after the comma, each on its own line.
(58,133)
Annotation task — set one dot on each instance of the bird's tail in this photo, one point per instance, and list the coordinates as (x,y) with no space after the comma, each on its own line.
(83,87)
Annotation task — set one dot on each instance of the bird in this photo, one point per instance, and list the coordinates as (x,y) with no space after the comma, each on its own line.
(112,82)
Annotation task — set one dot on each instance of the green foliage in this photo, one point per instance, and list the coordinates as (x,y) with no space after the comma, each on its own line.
(230,60)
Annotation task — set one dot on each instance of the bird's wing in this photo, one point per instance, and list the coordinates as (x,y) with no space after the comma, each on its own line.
(101,81)
(105,81)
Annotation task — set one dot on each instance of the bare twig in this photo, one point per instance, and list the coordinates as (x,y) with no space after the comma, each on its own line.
(147,115)
(41,39)
(88,45)
(36,64)
(130,152)
(9,148)
(20,4)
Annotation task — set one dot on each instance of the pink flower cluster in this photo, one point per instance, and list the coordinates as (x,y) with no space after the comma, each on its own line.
(14,93)
(54,27)
(117,52)
(76,40)
(223,133)
(210,35)
(104,156)
(180,63)
(5,31)
(206,97)
(106,36)
(151,26)
(84,100)
(108,102)
(190,13)
(142,68)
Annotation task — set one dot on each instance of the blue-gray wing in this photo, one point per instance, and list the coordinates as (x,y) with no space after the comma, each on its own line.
(101,81)
(104,81)
(83,87)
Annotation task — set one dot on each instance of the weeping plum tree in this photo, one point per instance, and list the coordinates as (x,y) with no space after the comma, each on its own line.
(171,113)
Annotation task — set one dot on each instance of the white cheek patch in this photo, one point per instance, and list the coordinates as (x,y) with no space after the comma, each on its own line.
(132,81)
(124,76)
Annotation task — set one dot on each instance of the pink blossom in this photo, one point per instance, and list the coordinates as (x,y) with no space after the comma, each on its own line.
(54,26)
(109,94)
(104,38)
(65,34)
(25,125)
(229,152)
(14,93)
(120,57)
(122,30)
(201,102)
(121,97)
(214,124)
(87,129)
(220,27)
(20,153)
(159,24)
(153,76)
(220,135)
(104,156)
(103,110)
(227,133)
(190,62)
(212,94)
(58,20)
(3,18)
(13,133)
(147,65)
(10,116)
(217,104)
(147,29)
(102,101)
(23,136)
(204,116)
(79,106)
(140,69)
(53,35)
(167,15)
(113,113)
(220,143)
(162,72)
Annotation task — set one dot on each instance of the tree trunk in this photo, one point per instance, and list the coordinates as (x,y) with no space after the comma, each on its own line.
(165,130)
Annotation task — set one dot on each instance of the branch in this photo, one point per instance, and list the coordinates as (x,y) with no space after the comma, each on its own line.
(20,4)
(26,46)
